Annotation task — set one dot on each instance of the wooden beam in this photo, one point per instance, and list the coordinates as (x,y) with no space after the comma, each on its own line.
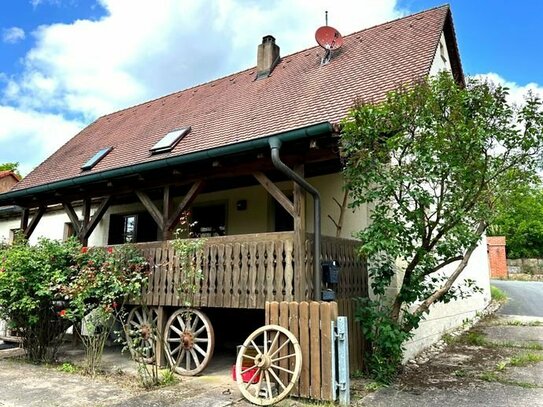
(24,219)
(151,208)
(76,223)
(34,222)
(275,192)
(97,217)
(187,200)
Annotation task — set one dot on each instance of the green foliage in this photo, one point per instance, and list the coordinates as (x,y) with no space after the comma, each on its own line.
(497,295)
(103,279)
(525,359)
(29,292)
(68,367)
(386,336)
(433,161)
(520,219)
(11,167)
(188,252)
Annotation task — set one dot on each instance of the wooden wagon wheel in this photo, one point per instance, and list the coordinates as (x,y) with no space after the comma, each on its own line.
(189,341)
(142,326)
(268,365)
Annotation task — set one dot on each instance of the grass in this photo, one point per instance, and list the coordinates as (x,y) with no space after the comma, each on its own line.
(525,359)
(497,295)
(475,338)
(68,367)
(489,376)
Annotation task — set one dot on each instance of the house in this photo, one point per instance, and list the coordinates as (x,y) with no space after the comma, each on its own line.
(254,155)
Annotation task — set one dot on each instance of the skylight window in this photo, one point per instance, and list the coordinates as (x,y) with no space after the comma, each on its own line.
(170,140)
(96,158)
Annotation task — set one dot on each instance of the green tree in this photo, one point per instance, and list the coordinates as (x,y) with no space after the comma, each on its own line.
(11,167)
(520,219)
(432,160)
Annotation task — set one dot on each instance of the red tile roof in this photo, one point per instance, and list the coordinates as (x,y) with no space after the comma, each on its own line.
(7,173)
(237,108)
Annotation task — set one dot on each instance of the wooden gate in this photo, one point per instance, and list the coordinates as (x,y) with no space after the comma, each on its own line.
(310,322)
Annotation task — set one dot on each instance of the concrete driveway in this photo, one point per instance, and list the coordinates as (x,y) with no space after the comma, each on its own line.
(497,363)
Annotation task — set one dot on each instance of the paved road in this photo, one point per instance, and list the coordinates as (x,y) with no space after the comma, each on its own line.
(525,297)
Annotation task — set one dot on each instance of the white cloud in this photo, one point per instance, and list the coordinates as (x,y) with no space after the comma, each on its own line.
(28,137)
(13,35)
(140,50)
(517,93)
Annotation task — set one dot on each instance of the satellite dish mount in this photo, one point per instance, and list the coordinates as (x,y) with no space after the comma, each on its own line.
(328,38)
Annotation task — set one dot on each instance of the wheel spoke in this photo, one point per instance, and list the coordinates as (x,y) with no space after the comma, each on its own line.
(195,357)
(200,340)
(248,369)
(176,330)
(277,379)
(256,347)
(283,357)
(279,348)
(265,342)
(187,360)
(175,350)
(175,340)
(194,323)
(181,322)
(257,371)
(138,316)
(282,369)
(200,350)
(274,342)
(200,330)
(268,384)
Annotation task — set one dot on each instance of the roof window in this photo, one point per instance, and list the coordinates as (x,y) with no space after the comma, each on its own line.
(96,158)
(170,140)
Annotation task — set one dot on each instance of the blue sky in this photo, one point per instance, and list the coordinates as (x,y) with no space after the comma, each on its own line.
(63,63)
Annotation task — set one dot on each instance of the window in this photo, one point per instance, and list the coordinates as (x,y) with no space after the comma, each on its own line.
(208,220)
(12,234)
(132,228)
(69,231)
(284,222)
(170,140)
(96,158)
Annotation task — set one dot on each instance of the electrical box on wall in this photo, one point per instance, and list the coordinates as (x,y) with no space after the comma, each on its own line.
(330,272)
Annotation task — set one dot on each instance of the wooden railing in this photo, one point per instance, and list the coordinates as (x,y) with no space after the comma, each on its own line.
(242,271)
(245,271)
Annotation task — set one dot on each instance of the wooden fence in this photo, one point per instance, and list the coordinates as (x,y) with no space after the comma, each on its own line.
(310,322)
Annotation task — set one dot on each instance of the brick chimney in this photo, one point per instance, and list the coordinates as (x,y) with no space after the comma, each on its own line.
(267,57)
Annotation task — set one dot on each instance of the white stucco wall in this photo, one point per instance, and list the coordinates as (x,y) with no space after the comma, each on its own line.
(446,317)
(441,60)
(258,217)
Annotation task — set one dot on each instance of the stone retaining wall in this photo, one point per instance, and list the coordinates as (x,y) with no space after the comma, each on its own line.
(525,266)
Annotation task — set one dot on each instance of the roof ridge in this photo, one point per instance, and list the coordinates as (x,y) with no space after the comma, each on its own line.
(254,66)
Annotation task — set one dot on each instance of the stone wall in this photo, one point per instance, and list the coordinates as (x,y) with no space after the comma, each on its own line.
(525,266)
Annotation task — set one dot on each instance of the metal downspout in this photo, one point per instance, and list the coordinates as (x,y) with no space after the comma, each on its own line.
(275,146)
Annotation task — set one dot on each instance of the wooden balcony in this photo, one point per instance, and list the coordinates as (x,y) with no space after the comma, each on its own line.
(245,271)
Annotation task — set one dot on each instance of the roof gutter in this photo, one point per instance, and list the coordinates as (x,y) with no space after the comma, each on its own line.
(315,130)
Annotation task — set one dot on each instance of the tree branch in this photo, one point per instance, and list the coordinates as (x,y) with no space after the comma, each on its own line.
(446,287)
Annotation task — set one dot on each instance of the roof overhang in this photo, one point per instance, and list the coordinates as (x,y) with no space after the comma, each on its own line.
(307,132)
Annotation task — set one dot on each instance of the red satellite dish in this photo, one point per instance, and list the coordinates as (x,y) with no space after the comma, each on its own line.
(328,37)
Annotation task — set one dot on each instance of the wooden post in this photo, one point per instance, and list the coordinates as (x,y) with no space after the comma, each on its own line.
(85,222)
(299,239)
(24,219)
(167,206)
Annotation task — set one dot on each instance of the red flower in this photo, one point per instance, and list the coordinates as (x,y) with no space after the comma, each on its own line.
(110,250)
(62,313)
(84,249)
(114,305)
